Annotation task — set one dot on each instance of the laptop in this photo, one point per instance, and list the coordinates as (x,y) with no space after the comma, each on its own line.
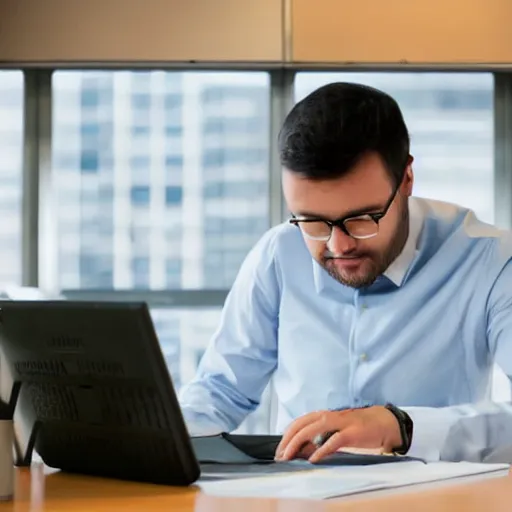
(91,392)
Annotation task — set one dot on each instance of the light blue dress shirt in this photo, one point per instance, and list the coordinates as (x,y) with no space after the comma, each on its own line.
(424,336)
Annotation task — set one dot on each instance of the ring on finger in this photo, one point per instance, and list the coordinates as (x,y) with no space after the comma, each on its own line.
(321,439)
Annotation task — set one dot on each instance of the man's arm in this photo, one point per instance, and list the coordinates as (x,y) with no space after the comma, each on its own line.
(242,354)
(474,432)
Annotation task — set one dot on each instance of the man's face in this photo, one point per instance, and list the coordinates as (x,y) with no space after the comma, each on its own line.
(366,189)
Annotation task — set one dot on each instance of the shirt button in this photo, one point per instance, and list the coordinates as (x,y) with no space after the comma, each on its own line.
(363,357)
(364,307)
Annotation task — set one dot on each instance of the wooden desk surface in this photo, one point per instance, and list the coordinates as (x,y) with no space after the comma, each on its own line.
(37,491)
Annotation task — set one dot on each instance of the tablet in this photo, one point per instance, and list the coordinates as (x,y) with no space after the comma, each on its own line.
(92,391)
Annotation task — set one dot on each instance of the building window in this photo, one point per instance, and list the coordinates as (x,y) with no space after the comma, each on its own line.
(173,195)
(140,162)
(146,148)
(174,130)
(141,101)
(90,130)
(140,195)
(173,273)
(89,162)
(11,158)
(141,130)
(90,97)
(234,189)
(174,161)
(140,272)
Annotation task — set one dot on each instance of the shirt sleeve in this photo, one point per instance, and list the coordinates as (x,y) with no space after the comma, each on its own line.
(479,432)
(242,354)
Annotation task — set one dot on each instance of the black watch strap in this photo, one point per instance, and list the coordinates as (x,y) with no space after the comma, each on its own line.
(406,428)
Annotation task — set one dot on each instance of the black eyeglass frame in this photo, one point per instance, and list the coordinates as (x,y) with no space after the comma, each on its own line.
(340,223)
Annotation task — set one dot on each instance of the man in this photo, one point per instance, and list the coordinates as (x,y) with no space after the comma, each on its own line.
(379,315)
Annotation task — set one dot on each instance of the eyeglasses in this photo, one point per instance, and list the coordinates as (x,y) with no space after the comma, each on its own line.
(359,227)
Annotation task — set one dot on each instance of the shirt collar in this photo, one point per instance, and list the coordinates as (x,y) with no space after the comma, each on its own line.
(398,269)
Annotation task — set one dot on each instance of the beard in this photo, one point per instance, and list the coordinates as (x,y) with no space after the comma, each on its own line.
(373,264)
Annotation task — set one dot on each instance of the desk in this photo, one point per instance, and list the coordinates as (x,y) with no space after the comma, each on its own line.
(37,491)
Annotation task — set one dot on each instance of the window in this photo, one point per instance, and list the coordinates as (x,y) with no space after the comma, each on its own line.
(89,162)
(11,154)
(90,98)
(172,102)
(140,265)
(174,161)
(232,126)
(224,139)
(140,272)
(95,269)
(220,157)
(90,130)
(233,190)
(141,101)
(174,131)
(450,119)
(173,195)
(173,273)
(141,130)
(141,163)
(140,196)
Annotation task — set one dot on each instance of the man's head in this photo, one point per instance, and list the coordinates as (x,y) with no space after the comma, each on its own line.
(345,156)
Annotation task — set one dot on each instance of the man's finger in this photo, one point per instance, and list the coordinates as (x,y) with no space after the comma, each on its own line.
(338,440)
(300,439)
(296,426)
(322,426)
(306,451)
(293,429)
(352,436)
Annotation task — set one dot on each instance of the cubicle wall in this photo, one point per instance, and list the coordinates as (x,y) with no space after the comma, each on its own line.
(138,137)
(333,32)
(144,31)
(454,32)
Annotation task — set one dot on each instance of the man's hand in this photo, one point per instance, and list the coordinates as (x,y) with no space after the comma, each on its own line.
(371,427)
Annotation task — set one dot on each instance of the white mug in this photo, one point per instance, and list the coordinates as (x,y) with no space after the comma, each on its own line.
(6,460)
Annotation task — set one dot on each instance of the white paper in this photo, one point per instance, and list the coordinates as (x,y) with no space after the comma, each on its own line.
(346,480)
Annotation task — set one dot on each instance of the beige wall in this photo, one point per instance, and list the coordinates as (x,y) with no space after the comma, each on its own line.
(392,31)
(140,30)
(316,31)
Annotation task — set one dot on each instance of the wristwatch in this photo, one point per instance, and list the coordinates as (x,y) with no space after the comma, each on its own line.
(406,428)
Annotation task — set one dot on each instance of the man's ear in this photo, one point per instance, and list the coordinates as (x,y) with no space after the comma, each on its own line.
(409,177)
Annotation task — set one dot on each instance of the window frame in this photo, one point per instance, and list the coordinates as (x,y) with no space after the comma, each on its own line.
(39,258)
(39,222)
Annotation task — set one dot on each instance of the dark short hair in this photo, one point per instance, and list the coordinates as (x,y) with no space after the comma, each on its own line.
(331,129)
